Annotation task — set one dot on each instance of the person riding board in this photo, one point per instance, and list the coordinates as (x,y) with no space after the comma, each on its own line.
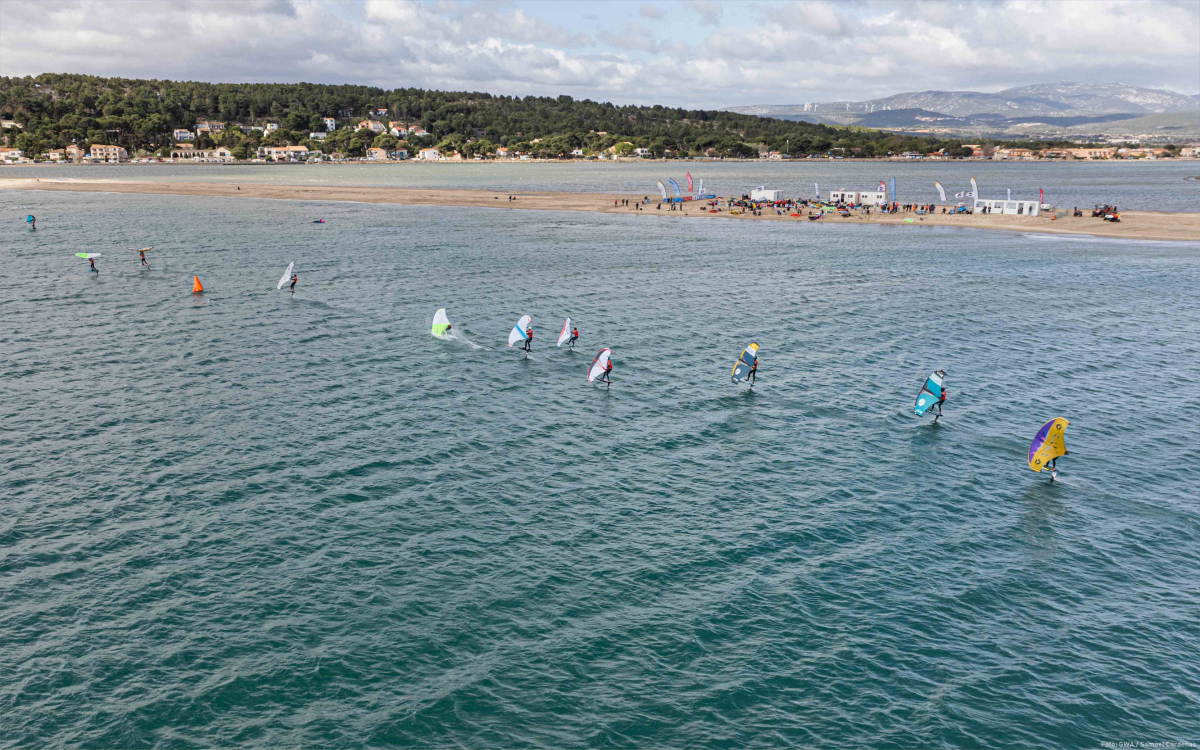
(574,336)
(941,400)
(92,262)
(528,339)
(144,263)
(753,371)
(292,288)
(608,368)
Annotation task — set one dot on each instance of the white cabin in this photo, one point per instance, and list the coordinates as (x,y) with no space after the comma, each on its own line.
(760,193)
(1019,208)
(858,197)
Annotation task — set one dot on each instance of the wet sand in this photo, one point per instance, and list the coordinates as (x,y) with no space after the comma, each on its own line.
(1134,225)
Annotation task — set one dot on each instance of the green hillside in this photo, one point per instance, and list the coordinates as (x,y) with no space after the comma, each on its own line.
(59,109)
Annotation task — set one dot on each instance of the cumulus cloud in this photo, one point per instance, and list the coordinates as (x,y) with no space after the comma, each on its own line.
(710,55)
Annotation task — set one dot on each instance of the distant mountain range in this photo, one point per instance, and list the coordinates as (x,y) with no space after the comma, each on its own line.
(1042,110)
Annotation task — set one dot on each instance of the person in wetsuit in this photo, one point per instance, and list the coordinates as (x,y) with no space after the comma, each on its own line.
(939,403)
(92,262)
(292,288)
(607,378)
(143,252)
(753,372)
(574,336)
(528,339)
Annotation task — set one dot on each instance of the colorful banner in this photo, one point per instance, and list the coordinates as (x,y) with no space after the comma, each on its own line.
(882,187)
(974,189)
(662,189)
(817,188)
(701,190)
(893,190)
(1041,196)
(941,190)
(689,179)
(1009,195)
(674,185)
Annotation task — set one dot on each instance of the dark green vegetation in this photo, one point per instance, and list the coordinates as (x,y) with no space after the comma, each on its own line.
(59,109)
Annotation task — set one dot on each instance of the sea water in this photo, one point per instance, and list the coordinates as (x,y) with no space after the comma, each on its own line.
(255,519)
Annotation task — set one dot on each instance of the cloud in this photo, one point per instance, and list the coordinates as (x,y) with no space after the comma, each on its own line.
(709,11)
(773,52)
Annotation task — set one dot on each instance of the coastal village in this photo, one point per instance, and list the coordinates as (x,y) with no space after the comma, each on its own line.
(401,140)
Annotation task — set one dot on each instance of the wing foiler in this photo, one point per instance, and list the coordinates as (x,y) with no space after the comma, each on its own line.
(745,361)
(518,331)
(930,393)
(440,323)
(1048,444)
(599,365)
(287,276)
(566,332)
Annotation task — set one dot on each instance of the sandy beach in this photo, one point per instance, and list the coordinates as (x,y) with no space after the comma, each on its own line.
(1134,225)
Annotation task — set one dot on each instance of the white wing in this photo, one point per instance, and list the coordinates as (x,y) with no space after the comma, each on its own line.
(287,276)
(566,333)
(518,331)
(599,366)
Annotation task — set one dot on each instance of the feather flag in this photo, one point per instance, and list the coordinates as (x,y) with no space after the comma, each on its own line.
(941,190)
(893,190)
(662,189)
(689,179)
(974,188)
(817,188)
(674,185)
(701,190)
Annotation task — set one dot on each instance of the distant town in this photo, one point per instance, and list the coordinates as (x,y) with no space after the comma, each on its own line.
(194,145)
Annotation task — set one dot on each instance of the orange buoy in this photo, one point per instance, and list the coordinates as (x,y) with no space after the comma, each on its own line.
(197,287)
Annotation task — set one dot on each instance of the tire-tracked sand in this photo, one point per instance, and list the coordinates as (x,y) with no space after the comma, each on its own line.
(1134,225)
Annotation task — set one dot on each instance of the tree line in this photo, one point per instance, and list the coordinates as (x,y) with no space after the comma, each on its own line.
(56,110)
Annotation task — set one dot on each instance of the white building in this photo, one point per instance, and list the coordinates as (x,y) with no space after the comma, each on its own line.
(859,197)
(760,193)
(11,155)
(272,127)
(1019,208)
(428,154)
(330,124)
(577,152)
(283,153)
(642,152)
(183,134)
(318,136)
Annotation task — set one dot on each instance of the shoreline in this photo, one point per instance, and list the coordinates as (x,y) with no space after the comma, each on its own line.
(1134,225)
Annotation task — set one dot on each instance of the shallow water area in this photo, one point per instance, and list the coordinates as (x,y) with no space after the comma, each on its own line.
(255,519)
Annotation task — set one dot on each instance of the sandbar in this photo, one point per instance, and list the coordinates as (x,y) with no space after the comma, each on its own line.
(1134,225)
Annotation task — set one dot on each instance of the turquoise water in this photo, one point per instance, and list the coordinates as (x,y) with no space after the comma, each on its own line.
(1166,185)
(251,520)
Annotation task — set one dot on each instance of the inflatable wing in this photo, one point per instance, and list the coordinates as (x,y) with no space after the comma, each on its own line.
(1049,444)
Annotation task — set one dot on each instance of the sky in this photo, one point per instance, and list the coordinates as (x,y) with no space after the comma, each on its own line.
(689,53)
